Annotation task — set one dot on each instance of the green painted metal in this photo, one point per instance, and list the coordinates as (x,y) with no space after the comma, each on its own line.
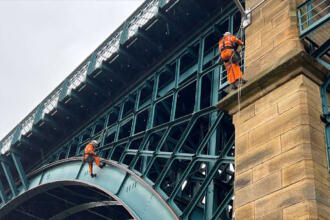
(312,16)
(3,195)
(326,115)
(20,170)
(9,177)
(116,180)
(166,130)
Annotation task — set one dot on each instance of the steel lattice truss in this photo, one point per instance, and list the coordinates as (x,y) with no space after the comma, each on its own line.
(166,130)
(169,132)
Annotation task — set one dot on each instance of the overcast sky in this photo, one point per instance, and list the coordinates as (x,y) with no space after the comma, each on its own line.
(42,41)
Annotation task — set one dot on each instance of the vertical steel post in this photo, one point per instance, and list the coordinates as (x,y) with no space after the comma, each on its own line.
(199,73)
(20,170)
(3,193)
(124,33)
(105,125)
(309,13)
(120,117)
(79,147)
(151,117)
(325,110)
(231,24)
(176,85)
(92,63)
(136,108)
(9,177)
(210,199)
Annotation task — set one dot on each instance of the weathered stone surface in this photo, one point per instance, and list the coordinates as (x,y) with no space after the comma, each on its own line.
(259,189)
(281,165)
(279,125)
(295,193)
(243,179)
(245,212)
(241,145)
(275,215)
(303,210)
(297,172)
(258,155)
(285,159)
(296,136)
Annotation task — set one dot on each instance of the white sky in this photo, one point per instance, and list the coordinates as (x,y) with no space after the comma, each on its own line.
(42,41)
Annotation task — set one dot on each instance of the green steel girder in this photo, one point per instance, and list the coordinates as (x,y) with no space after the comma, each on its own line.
(122,184)
(3,194)
(82,207)
(71,203)
(17,161)
(9,177)
(147,159)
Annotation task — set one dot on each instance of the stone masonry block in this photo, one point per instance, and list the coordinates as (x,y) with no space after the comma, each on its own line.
(256,121)
(245,212)
(291,195)
(257,190)
(288,102)
(298,153)
(243,180)
(241,145)
(296,172)
(296,136)
(275,215)
(303,210)
(279,125)
(258,155)
(278,94)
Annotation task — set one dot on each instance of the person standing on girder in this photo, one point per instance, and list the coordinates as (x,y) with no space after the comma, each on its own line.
(228,45)
(90,157)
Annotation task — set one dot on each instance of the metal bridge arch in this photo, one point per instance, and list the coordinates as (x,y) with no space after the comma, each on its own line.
(137,196)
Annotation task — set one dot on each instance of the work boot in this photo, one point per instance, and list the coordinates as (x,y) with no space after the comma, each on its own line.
(228,89)
(243,81)
(235,84)
(102,165)
(93,175)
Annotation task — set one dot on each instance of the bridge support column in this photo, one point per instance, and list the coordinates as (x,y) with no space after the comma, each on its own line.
(280,154)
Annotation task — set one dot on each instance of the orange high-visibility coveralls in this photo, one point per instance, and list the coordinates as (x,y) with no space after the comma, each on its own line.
(90,157)
(226,47)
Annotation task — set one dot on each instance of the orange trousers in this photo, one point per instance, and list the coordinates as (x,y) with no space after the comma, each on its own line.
(96,159)
(233,70)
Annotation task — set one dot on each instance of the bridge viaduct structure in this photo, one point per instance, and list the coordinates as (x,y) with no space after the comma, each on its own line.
(174,144)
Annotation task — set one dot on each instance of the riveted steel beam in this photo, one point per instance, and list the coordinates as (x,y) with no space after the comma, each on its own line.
(9,177)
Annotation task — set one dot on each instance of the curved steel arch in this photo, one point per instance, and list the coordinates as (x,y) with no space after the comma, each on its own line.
(137,196)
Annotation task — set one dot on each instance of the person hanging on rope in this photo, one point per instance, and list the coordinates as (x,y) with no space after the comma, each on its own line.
(90,156)
(228,45)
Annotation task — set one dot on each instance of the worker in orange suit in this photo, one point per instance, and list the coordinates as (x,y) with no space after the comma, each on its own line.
(228,45)
(90,156)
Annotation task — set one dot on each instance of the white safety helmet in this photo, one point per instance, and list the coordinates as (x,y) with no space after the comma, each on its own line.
(226,33)
(94,142)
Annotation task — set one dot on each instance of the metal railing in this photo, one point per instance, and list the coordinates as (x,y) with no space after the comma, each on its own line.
(140,17)
(312,14)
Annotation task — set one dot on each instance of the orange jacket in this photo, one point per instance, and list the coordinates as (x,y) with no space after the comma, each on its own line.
(228,42)
(89,149)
